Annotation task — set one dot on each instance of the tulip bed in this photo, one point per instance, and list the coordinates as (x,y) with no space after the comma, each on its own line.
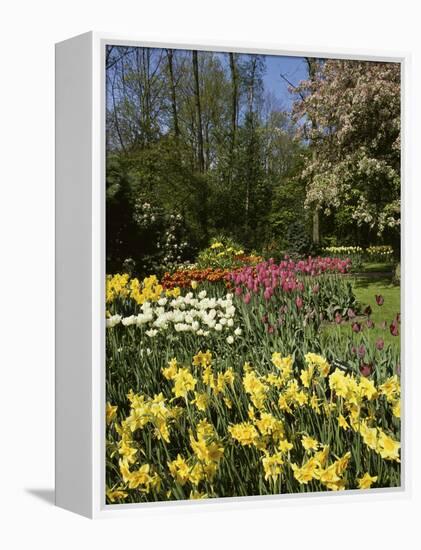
(263,380)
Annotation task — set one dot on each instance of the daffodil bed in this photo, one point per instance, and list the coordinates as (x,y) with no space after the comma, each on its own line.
(215,392)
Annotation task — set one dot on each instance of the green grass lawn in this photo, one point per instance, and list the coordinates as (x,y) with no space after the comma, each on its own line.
(370,267)
(365,289)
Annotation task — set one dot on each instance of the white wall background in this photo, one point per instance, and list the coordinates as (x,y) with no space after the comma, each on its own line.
(29,30)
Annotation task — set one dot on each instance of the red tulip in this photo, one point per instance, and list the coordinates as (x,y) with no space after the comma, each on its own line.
(394,330)
(299,302)
(366,369)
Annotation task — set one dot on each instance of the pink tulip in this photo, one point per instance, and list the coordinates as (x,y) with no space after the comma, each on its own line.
(380,344)
(351,313)
(361,351)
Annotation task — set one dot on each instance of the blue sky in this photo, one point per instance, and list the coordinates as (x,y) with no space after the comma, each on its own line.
(294,68)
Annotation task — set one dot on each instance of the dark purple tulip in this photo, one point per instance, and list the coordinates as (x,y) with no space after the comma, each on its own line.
(356,327)
(361,351)
(299,302)
(351,313)
(370,323)
(394,330)
(368,311)
(366,369)
(380,344)
(379,299)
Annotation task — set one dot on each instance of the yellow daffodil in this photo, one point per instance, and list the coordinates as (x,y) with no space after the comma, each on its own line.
(366,481)
(110,412)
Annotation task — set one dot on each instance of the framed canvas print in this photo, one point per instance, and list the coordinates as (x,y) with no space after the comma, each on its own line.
(229,260)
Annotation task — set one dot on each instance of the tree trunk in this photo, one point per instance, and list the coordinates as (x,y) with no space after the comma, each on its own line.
(312,67)
(234,104)
(316,227)
(201,158)
(170,54)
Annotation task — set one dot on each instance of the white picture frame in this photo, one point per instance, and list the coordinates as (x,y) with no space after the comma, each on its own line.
(80,277)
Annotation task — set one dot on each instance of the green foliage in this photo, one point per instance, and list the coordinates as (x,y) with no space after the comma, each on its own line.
(298,239)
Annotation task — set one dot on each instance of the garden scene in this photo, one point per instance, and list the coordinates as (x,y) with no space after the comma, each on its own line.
(253,275)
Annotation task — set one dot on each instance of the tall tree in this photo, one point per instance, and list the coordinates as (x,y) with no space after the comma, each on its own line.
(312,71)
(170,59)
(355,170)
(200,154)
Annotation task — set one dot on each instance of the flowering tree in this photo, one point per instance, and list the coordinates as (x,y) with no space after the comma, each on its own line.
(349,112)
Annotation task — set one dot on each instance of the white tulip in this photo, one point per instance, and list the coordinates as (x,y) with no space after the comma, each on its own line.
(113,321)
(212,314)
(127,321)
